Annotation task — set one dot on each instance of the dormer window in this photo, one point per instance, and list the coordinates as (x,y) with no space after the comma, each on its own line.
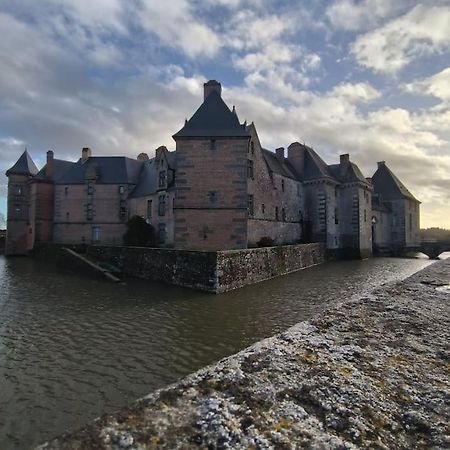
(162,178)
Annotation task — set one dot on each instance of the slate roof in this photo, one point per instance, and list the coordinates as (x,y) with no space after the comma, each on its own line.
(111,170)
(60,166)
(24,166)
(149,176)
(148,180)
(388,186)
(282,168)
(213,119)
(348,173)
(315,166)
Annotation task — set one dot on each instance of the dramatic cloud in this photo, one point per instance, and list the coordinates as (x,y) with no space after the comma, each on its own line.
(438,85)
(121,77)
(423,30)
(352,15)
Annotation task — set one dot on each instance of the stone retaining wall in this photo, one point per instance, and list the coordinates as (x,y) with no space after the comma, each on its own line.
(237,268)
(210,271)
(180,267)
(370,373)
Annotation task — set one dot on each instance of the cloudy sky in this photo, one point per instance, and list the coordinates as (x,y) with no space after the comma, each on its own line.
(370,78)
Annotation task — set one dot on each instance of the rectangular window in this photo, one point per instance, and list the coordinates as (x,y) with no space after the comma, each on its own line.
(162,179)
(121,189)
(89,211)
(122,212)
(17,212)
(162,205)
(283,214)
(365,216)
(250,169)
(250,205)
(282,185)
(149,209)
(162,235)
(336,218)
(263,208)
(90,188)
(276,212)
(96,233)
(212,196)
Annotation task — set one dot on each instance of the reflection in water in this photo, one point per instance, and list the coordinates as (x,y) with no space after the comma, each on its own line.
(72,347)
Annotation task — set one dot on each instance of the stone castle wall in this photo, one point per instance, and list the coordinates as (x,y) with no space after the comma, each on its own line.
(210,271)
(237,268)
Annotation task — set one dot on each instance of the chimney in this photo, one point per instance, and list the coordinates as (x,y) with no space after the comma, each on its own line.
(142,157)
(49,168)
(280,154)
(86,153)
(296,156)
(344,159)
(381,163)
(212,86)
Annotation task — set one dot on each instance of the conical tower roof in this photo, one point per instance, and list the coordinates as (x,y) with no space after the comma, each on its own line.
(24,166)
(213,119)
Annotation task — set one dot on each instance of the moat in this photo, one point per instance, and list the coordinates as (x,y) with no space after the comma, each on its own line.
(72,347)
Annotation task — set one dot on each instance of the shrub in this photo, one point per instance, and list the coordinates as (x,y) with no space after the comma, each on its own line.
(139,233)
(265,241)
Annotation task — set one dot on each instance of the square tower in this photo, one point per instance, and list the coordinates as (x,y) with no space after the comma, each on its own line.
(211,184)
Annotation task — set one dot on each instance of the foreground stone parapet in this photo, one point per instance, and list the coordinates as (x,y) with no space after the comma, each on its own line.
(370,373)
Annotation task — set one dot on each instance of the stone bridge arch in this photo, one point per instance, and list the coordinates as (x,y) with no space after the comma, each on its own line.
(434,248)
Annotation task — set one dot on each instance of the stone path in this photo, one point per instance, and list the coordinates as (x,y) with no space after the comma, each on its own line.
(371,373)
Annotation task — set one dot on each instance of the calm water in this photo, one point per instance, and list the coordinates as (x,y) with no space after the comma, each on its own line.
(72,347)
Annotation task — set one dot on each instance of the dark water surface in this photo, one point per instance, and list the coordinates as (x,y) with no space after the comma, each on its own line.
(73,347)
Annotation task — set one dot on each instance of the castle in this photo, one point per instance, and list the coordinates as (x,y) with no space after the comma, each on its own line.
(220,189)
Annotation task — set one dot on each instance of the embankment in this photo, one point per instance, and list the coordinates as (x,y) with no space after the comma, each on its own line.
(370,373)
(216,272)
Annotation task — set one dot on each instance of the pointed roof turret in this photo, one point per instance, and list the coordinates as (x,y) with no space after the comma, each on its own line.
(213,118)
(24,166)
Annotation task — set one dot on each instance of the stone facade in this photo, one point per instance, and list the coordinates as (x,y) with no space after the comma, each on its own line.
(211,194)
(220,190)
